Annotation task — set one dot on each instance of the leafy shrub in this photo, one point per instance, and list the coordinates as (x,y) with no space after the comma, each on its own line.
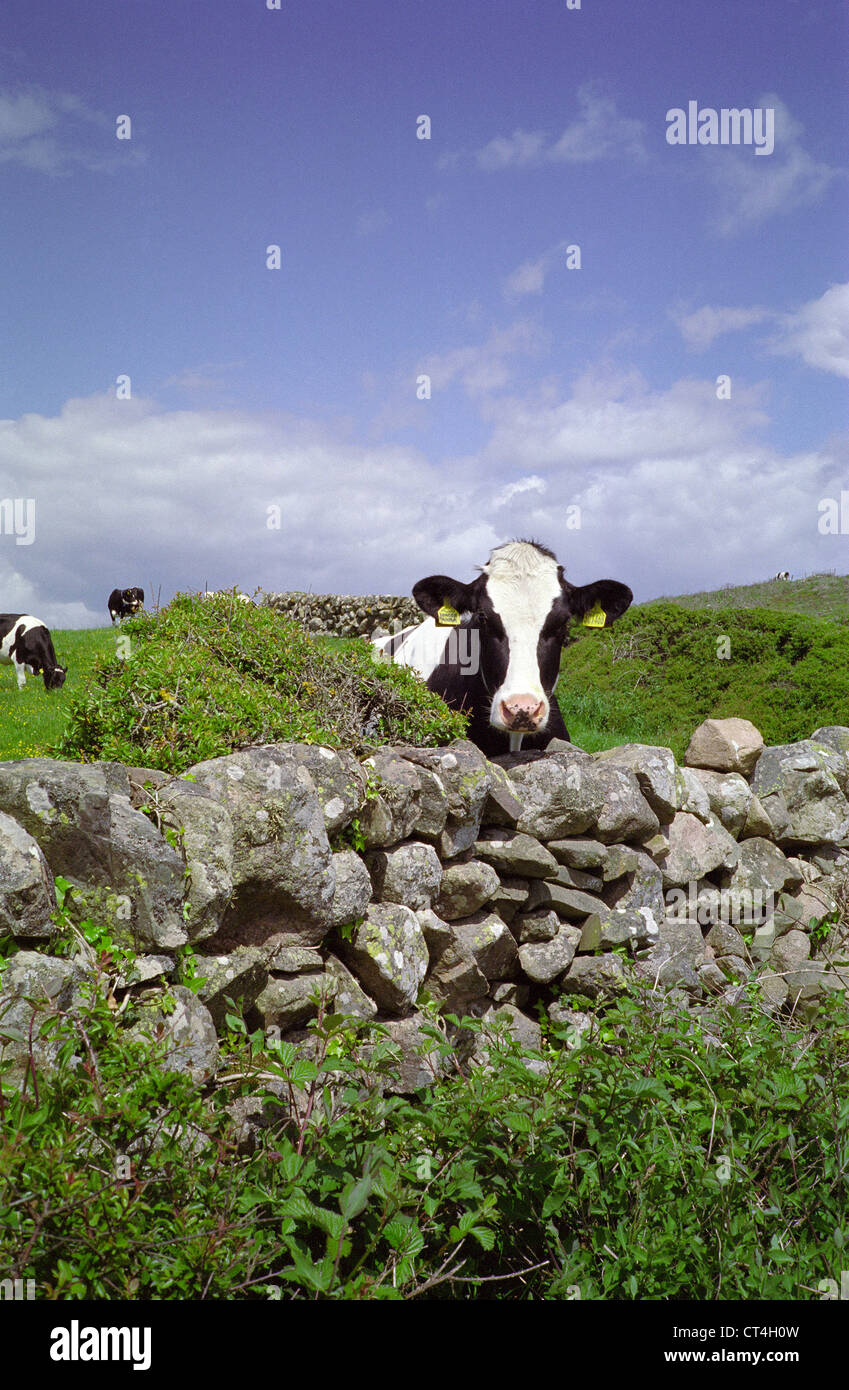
(654,1161)
(207,676)
(662,669)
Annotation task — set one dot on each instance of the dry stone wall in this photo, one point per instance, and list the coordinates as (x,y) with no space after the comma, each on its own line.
(352,615)
(300,874)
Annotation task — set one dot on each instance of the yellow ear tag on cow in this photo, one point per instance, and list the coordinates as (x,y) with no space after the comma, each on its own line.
(595,618)
(447,616)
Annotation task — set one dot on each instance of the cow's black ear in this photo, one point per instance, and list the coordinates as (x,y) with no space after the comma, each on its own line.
(141,595)
(611,596)
(438,590)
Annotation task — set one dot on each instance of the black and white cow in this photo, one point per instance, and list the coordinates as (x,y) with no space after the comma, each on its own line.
(123,603)
(783,574)
(502,662)
(25,643)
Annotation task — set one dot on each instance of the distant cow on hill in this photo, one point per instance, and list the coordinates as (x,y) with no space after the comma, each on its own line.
(123,603)
(493,647)
(783,574)
(25,643)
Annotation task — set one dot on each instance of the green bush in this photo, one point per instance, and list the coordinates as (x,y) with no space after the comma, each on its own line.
(204,677)
(653,1161)
(662,669)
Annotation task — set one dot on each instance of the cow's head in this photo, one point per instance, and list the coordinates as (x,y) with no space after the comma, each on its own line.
(55,679)
(133,598)
(522,605)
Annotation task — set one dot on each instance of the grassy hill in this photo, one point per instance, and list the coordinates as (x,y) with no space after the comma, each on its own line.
(662,669)
(818,595)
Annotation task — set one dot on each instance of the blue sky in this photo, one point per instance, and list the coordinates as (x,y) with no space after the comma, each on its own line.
(296,388)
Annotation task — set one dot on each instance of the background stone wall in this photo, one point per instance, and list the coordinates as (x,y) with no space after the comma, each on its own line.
(340,615)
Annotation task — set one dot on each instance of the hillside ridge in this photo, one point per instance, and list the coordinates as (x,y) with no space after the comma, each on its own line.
(823,595)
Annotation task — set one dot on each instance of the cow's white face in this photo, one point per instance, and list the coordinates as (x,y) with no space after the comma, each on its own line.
(524,589)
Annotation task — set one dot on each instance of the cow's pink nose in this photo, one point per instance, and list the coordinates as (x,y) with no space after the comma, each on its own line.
(522,711)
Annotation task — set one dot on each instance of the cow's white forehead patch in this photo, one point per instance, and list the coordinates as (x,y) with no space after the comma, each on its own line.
(517,559)
(522,585)
(523,605)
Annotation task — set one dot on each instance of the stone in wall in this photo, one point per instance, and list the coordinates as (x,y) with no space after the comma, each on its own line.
(27,896)
(728,745)
(388,954)
(802,781)
(81,817)
(280,873)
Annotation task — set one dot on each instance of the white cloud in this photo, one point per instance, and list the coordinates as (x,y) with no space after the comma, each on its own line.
(613,418)
(483,368)
(698,329)
(819,332)
(478,369)
(598,132)
(530,276)
(21,595)
(531,484)
(126,493)
(47,132)
(676,490)
(522,147)
(22,116)
(751,190)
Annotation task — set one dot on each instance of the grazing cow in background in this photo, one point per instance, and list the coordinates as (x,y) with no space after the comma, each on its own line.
(25,642)
(218,593)
(783,574)
(495,650)
(123,603)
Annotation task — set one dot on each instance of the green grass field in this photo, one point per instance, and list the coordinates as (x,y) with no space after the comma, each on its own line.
(33,718)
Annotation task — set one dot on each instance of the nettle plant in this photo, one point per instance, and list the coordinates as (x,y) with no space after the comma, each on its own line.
(73,936)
